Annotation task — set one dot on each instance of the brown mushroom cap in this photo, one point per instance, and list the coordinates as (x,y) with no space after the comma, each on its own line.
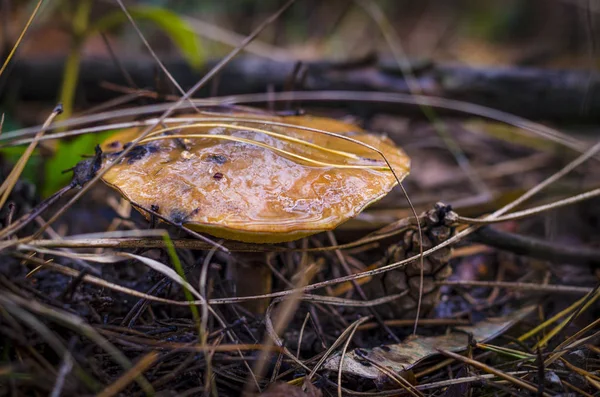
(251,186)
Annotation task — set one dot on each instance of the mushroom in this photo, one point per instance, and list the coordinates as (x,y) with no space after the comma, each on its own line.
(254,178)
(259,179)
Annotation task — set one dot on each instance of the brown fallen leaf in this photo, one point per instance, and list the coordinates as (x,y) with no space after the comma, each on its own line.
(401,357)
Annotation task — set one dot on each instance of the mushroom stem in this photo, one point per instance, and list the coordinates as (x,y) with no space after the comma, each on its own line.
(252,277)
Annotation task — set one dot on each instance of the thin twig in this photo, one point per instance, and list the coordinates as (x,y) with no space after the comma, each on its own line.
(535,247)
(547,288)
(21,36)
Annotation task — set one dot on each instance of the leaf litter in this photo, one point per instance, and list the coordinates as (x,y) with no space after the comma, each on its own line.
(401,357)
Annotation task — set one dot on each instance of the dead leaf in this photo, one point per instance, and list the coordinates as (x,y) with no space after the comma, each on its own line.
(401,357)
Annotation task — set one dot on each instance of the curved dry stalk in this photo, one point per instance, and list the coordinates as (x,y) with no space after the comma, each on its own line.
(327,300)
(332,134)
(142,365)
(546,288)
(21,36)
(153,54)
(78,325)
(334,96)
(302,328)
(587,301)
(534,210)
(388,97)
(203,332)
(283,152)
(259,130)
(285,314)
(535,247)
(354,327)
(348,331)
(53,341)
(516,381)
(11,180)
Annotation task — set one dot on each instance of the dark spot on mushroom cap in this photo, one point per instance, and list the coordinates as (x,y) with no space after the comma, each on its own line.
(216,158)
(114,144)
(86,169)
(178,217)
(137,153)
(154,207)
(218,176)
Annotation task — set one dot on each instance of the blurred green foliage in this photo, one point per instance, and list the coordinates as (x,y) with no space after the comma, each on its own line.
(169,22)
(67,154)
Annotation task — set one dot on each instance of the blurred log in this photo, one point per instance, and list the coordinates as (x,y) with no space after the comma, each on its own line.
(541,94)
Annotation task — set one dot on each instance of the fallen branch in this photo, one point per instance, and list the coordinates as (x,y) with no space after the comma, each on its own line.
(535,247)
(557,95)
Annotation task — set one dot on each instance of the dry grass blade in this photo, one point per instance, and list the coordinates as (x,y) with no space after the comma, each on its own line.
(21,36)
(259,130)
(516,381)
(67,271)
(282,319)
(347,332)
(167,271)
(11,180)
(154,56)
(546,288)
(54,342)
(172,274)
(552,319)
(65,368)
(386,97)
(533,211)
(78,325)
(354,327)
(588,301)
(327,300)
(578,334)
(467,379)
(328,96)
(142,365)
(203,332)
(282,152)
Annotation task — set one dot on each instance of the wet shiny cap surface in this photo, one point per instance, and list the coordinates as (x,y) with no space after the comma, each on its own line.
(251,178)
